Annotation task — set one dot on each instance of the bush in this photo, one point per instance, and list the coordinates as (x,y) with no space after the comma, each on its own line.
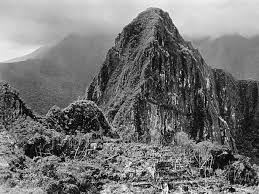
(70,189)
(36,140)
(241,172)
(17,163)
(53,187)
(33,138)
(48,166)
(202,153)
(222,157)
(182,139)
(205,154)
(209,157)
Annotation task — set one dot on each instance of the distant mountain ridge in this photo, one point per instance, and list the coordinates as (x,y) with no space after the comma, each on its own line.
(56,74)
(37,54)
(236,54)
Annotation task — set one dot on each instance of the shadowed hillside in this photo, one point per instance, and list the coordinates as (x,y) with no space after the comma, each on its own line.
(57,74)
(234,53)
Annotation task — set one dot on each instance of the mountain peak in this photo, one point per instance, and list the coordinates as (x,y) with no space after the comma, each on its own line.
(154,12)
(150,68)
(151,25)
(154,84)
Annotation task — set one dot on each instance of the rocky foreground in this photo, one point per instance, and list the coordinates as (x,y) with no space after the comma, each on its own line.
(131,168)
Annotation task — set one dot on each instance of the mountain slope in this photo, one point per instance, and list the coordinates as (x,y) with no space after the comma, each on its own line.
(58,74)
(154,84)
(12,107)
(237,54)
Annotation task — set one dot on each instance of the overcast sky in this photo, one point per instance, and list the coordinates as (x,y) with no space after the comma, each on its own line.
(28,24)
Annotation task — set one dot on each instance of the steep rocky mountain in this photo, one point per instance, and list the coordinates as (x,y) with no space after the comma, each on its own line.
(56,74)
(12,107)
(237,54)
(153,84)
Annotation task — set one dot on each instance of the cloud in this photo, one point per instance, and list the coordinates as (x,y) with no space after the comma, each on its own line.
(37,22)
(10,50)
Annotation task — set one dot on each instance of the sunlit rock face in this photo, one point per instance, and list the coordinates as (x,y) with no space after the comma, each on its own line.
(153,84)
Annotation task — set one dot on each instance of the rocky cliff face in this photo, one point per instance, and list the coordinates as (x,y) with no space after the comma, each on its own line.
(12,106)
(153,84)
(238,104)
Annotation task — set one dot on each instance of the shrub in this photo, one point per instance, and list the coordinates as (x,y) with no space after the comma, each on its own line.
(33,138)
(70,189)
(208,157)
(241,172)
(181,138)
(47,166)
(36,140)
(17,163)
(53,187)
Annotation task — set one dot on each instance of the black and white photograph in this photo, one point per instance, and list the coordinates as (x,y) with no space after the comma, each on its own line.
(129,96)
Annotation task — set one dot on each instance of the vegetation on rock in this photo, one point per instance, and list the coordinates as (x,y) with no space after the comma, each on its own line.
(121,167)
(12,107)
(80,116)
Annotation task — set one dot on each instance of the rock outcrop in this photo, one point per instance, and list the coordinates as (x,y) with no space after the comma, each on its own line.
(238,105)
(82,116)
(153,83)
(12,106)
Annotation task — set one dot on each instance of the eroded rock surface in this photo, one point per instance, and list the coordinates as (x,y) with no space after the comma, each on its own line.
(83,116)
(153,84)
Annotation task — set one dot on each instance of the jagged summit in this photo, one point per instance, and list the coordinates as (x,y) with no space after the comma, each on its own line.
(149,26)
(153,84)
(154,16)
